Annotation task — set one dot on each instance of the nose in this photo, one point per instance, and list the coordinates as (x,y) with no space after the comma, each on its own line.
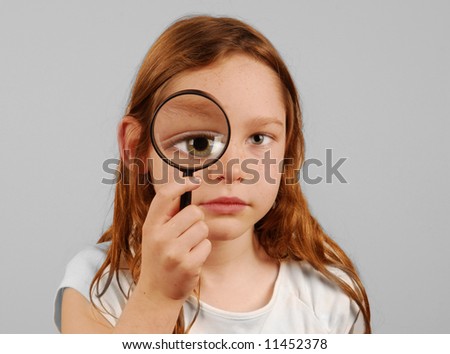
(229,167)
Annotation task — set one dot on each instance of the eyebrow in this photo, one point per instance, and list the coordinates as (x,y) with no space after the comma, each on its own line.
(262,121)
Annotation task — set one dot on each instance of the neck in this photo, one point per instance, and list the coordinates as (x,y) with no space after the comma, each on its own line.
(238,275)
(228,255)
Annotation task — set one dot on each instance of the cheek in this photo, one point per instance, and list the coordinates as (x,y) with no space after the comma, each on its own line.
(271,166)
(266,176)
(273,174)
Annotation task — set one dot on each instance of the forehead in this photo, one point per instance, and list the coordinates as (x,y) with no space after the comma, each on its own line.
(244,86)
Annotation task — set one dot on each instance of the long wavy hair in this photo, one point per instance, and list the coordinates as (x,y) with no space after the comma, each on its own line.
(288,230)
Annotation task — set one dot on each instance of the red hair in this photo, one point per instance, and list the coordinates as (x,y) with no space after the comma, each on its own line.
(288,231)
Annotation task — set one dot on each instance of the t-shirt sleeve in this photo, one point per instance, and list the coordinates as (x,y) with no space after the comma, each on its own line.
(358,326)
(331,306)
(346,317)
(78,275)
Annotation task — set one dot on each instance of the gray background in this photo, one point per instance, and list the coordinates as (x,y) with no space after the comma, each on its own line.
(374,83)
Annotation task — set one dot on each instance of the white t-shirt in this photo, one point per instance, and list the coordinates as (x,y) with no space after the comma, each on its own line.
(303,301)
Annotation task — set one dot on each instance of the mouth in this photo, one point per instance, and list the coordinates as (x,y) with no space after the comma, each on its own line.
(225,205)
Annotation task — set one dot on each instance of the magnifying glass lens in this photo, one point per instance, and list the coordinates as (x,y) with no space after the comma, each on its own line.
(190,131)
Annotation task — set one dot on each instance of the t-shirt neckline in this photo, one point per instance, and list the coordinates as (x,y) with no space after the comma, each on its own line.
(243,315)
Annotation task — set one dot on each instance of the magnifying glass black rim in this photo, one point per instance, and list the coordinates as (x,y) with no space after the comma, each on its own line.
(152,135)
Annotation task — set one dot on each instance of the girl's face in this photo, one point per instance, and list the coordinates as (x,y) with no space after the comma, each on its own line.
(250,93)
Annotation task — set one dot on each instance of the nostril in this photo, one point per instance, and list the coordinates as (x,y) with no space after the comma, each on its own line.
(212,175)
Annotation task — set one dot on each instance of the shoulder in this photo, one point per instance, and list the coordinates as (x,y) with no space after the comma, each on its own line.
(329,304)
(82,268)
(79,274)
(305,277)
(89,259)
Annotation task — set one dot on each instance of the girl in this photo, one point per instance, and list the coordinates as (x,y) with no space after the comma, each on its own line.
(246,256)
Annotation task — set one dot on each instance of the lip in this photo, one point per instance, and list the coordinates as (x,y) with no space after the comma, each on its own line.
(225,205)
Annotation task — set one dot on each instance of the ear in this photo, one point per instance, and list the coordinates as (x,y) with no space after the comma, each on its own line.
(128,133)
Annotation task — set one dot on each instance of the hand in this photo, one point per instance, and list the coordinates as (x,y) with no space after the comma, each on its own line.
(174,244)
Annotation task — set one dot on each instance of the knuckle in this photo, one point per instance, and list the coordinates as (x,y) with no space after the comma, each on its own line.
(171,259)
(208,245)
(205,250)
(203,228)
(186,268)
(196,212)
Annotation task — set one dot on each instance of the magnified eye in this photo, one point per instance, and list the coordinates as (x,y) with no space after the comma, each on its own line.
(199,144)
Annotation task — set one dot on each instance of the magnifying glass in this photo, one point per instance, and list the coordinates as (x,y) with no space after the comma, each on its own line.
(190,131)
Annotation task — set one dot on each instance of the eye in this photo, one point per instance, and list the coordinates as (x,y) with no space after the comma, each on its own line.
(198,144)
(260,139)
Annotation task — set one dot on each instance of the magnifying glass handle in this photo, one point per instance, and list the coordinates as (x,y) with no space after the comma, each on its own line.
(186,198)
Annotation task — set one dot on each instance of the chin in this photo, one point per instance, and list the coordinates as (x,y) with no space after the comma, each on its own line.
(227,230)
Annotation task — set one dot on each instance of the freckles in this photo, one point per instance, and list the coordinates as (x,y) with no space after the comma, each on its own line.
(267,179)
(271,162)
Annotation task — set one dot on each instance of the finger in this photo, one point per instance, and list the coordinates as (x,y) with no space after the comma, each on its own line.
(192,237)
(184,219)
(200,253)
(165,204)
